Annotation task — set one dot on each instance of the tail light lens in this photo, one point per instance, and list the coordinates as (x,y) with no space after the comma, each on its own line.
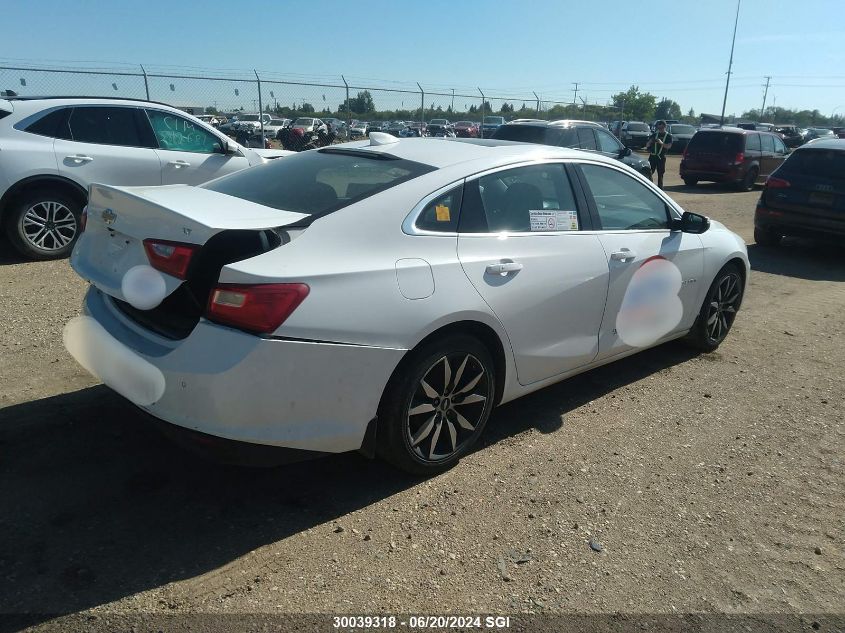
(83,219)
(172,258)
(259,308)
(777,183)
(739,158)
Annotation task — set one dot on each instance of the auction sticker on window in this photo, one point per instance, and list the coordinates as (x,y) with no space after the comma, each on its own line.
(553,220)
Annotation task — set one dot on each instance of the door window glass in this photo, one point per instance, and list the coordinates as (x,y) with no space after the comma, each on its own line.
(441,214)
(607,143)
(780,148)
(753,143)
(622,202)
(106,126)
(176,133)
(768,142)
(586,138)
(523,199)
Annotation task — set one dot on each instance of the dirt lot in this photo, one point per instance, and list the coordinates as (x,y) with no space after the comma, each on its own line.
(714,483)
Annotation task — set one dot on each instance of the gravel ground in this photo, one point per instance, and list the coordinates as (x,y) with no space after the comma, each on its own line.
(710,483)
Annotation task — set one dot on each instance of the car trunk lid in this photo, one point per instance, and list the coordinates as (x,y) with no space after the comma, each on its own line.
(221,228)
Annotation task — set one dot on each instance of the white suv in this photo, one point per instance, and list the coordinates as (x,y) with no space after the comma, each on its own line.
(52,149)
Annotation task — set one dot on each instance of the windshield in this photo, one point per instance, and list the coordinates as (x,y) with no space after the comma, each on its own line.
(682,129)
(638,127)
(496,120)
(319,182)
(438,122)
(248,117)
(304,122)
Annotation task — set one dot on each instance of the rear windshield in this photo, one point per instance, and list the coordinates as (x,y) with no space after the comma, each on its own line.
(248,117)
(498,120)
(716,142)
(304,122)
(682,129)
(319,182)
(522,133)
(820,163)
(638,127)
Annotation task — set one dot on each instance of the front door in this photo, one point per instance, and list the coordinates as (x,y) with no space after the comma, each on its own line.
(654,273)
(189,153)
(519,244)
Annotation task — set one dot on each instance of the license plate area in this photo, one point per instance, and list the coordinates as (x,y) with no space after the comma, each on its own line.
(821,199)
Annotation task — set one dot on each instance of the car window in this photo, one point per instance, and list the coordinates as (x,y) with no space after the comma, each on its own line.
(520,200)
(752,143)
(780,147)
(607,142)
(106,126)
(441,214)
(53,124)
(586,138)
(622,202)
(176,133)
(768,142)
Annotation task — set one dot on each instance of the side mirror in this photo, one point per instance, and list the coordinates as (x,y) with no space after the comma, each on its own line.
(692,223)
(230,149)
(625,151)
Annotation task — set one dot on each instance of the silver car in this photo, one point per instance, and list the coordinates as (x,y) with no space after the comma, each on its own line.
(386,295)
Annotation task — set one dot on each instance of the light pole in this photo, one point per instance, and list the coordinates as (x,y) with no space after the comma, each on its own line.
(730,64)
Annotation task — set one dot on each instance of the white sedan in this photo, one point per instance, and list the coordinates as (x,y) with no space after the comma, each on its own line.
(385,295)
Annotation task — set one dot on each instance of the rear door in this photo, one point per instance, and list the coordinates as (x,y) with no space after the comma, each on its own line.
(108,144)
(768,161)
(189,153)
(520,246)
(654,273)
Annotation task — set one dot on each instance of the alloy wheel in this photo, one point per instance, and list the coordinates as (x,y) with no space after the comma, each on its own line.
(49,225)
(723,305)
(447,406)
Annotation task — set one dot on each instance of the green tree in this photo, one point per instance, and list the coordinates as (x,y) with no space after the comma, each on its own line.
(211,110)
(506,108)
(667,109)
(638,106)
(306,108)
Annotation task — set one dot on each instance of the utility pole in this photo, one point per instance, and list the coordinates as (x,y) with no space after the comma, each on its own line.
(538,104)
(730,64)
(453,100)
(765,94)
(575,96)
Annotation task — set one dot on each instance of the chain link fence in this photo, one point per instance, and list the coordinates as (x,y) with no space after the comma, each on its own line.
(230,94)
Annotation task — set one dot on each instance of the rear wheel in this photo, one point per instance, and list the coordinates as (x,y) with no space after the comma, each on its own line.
(718,310)
(747,183)
(690,182)
(44,224)
(436,406)
(767,237)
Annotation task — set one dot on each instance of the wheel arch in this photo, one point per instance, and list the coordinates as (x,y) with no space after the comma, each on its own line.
(33,183)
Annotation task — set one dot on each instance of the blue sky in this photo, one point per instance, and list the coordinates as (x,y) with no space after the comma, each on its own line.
(676,49)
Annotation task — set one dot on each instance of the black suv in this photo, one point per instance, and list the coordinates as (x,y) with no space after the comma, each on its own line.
(805,196)
(585,135)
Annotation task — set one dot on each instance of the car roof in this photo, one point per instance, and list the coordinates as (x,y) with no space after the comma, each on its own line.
(446,152)
(73,100)
(826,143)
(556,123)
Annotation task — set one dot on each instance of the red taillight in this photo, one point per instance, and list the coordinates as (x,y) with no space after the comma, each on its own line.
(740,158)
(172,258)
(83,218)
(260,308)
(777,183)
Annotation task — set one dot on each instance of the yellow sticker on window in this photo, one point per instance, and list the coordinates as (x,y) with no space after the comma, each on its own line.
(442,213)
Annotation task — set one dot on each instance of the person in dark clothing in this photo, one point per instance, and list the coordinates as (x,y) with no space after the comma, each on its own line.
(658,146)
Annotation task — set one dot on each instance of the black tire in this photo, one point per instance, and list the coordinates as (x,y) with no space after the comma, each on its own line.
(747,184)
(706,335)
(767,237)
(690,182)
(59,214)
(446,428)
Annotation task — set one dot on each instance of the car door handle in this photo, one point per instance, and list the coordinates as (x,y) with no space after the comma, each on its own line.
(503,268)
(80,158)
(623,255)
(178,164)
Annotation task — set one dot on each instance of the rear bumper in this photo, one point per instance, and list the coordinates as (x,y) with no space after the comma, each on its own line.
(798,225)
(223,382)
(735,174)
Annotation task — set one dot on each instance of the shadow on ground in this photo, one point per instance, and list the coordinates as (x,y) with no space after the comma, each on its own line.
(703,188)
(802,259)
(98,505)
